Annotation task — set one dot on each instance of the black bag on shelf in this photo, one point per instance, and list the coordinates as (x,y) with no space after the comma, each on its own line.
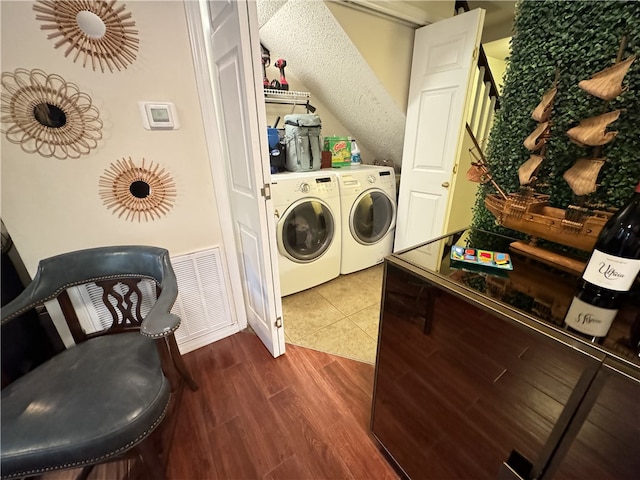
(277,157)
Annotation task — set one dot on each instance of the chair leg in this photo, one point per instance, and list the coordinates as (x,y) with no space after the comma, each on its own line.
(84,474)
(178,361)
(152,463)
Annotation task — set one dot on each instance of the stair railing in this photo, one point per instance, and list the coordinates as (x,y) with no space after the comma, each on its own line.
(486,98)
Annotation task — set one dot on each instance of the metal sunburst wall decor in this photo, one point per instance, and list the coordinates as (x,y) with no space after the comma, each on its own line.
(44,114)
(101,32)
(137,192)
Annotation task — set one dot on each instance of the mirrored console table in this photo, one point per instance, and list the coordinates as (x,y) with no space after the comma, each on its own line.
(476,378)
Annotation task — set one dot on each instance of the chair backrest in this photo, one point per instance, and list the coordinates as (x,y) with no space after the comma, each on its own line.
(107,267)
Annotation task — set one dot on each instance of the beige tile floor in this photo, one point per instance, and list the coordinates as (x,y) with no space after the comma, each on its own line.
(339,317)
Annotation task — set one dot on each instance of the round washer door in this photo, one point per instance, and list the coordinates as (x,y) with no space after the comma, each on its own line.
(306,230)
(372,216)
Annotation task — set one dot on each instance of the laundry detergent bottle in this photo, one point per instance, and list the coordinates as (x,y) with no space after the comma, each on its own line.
(356,161)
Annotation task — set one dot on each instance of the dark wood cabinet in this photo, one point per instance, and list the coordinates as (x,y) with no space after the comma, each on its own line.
(470,386)
(604,440)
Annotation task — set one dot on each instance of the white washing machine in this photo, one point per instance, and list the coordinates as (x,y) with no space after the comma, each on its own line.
(368,198)
(307,209)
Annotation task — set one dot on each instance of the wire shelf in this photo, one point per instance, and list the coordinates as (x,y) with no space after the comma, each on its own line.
(286,94)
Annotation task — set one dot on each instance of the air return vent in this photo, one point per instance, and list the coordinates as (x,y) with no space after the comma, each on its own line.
(203,301)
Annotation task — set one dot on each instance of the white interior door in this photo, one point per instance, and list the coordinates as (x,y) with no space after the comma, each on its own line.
(238,123)
(444,57)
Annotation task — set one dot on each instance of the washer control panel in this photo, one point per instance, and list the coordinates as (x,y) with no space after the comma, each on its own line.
(326,184)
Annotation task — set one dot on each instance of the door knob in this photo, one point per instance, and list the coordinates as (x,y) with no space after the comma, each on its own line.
(445,184)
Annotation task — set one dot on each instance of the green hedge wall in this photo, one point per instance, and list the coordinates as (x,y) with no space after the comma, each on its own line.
(579,38)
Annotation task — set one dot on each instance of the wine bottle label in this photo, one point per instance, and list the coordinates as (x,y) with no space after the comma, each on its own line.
(590,320)
(611,272)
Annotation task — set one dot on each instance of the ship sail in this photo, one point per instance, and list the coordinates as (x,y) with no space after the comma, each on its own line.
(581,177)
(607,84)
(592,131)
(528,210)
(542,112)
(527,169)
(538,137)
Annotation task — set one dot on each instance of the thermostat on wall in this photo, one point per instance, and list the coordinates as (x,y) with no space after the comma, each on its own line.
(159,115)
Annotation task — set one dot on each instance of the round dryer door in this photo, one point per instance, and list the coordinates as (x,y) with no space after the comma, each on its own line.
(306,230)
(372,216)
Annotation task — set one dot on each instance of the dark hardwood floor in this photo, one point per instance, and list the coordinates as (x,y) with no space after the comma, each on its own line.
(304,415)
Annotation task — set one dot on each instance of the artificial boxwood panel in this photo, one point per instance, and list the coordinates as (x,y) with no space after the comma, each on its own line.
(579,38)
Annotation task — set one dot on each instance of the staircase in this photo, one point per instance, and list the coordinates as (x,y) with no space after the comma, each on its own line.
(486,98)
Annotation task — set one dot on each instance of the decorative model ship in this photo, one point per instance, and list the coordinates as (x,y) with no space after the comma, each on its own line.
(528,211)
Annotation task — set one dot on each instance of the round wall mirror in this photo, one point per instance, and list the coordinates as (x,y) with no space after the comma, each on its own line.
(140,189)
(137,192)
(102,33)
(91,24)
(47,115)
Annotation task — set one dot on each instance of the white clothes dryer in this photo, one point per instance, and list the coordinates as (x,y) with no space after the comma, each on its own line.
(368,205)
(307,209)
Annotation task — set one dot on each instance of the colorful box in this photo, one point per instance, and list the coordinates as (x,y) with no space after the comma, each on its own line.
(340,148)
(485,256)
(480,258)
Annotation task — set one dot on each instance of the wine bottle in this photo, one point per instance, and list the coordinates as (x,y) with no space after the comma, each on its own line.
(609,274)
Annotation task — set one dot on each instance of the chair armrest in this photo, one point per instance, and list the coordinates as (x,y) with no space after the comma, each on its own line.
(21,304)
(159,324)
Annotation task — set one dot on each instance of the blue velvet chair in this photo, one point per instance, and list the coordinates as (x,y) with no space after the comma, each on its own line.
(105,398)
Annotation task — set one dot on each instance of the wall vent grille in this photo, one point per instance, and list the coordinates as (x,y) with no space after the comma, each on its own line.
(203,301)
(203,296)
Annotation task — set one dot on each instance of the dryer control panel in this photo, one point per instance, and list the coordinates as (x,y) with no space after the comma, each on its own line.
(387,178)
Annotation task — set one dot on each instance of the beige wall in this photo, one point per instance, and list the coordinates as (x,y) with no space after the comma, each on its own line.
(497,53)
(464,197)
(385,45)
(498,66)
(51,206)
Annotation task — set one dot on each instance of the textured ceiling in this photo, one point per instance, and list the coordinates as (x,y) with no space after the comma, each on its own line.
(316,34)
(311,37)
